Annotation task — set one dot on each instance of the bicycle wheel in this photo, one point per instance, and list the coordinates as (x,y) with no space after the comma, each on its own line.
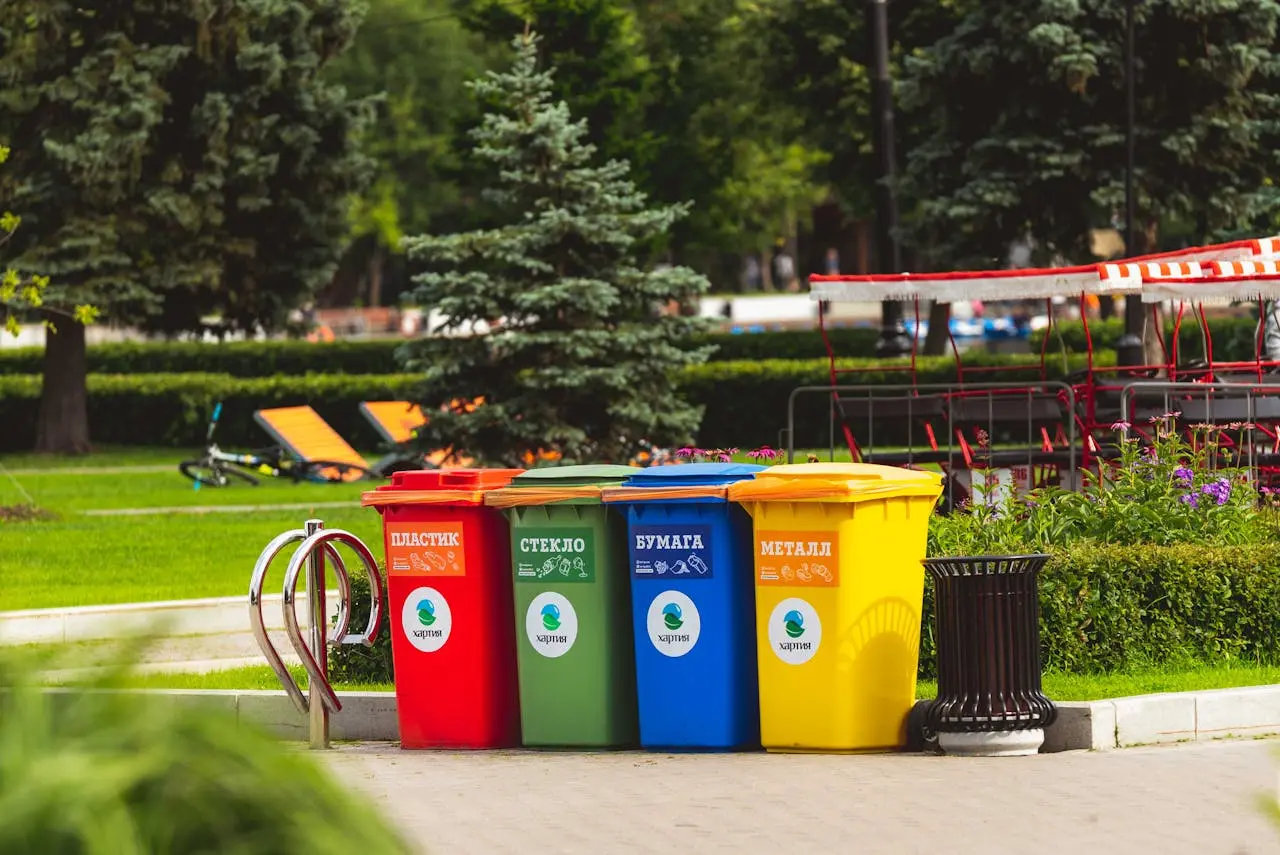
(214,475)
(333,472)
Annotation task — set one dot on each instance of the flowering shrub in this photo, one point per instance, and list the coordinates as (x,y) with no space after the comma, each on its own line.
(1168,492)
(764,455)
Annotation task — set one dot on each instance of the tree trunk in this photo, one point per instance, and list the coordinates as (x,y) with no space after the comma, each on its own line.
(62,426)
(375,277)
(935,343)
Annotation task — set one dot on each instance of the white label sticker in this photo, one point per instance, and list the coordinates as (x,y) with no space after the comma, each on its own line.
(794,631)
(674,623)
(427,619)
(551,624)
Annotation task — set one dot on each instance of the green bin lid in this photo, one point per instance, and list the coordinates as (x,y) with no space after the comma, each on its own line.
(587,475)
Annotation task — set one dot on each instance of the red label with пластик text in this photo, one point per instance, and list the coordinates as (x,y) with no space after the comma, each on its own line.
(425,549)
(797,558)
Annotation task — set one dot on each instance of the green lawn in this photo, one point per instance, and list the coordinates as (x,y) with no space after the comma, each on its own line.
(1059,687)
(82,561)
(1075,687)
(103,457)
(67,493)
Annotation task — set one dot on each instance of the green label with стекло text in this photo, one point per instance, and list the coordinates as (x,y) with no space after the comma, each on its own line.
(555,554)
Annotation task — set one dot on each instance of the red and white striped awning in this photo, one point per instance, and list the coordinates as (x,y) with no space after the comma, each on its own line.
(1213,288)
(1115,278)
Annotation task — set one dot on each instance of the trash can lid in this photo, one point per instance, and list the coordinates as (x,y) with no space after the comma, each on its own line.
(692,475)
(836,482)
(687,481)
(559,485)
(587,475)
(439,487)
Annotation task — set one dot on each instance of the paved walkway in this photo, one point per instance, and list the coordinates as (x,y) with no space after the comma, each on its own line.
(1200,798)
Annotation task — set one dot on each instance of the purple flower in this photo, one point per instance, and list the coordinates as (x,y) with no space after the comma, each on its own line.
(763,453)
(685,452)
(1220,490)
(1183,475)
(1190,499)
(1120,425)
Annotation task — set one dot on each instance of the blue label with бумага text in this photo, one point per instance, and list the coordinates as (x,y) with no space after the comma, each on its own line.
(671,551)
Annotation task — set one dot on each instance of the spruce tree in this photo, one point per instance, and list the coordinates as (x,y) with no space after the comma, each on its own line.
(555,318)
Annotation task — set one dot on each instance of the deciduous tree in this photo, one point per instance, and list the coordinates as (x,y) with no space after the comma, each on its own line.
(173,160)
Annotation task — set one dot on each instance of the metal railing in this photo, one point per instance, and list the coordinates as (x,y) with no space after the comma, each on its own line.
(930,420)
(316,545)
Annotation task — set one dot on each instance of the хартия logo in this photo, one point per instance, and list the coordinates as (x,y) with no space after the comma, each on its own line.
(550,617)
(426,612)
(672,616)
(793,622)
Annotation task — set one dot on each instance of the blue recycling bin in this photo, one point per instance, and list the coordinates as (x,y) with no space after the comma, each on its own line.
(693,606)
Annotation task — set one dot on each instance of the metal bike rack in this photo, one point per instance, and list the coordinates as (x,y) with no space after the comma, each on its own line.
(317,544)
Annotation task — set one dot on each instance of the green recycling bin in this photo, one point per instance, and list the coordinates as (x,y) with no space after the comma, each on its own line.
(575,651)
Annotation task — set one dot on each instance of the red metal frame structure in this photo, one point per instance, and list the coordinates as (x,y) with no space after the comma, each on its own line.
(1228,282)
(1111,279)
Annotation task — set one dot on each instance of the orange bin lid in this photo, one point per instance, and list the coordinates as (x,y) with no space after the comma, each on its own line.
(439,487)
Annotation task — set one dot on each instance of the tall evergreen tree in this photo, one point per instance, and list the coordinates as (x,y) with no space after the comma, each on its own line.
(554,318)
(172,159)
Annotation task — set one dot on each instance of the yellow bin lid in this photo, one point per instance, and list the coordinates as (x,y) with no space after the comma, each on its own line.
(835,482)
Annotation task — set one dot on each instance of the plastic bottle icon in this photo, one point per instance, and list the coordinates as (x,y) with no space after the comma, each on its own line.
(698,564)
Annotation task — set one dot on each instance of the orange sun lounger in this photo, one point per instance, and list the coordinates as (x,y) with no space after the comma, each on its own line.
(304,434)
(398,422)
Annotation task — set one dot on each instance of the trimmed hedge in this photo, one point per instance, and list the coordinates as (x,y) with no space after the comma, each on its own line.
(1107,608)
(1103,608)
(1234,339)
(173,409)
(292,357)
(745,403)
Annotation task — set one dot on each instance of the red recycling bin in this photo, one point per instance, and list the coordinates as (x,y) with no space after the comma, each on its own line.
(450,607)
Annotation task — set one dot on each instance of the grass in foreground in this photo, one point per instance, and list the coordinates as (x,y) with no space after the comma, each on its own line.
(1059,687)
(1077,687)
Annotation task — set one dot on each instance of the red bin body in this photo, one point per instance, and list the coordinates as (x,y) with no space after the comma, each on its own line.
(450,608)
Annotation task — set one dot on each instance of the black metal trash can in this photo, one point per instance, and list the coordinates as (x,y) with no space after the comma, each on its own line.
(987,629)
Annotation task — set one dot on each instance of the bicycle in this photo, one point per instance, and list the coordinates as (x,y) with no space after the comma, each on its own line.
(218,468)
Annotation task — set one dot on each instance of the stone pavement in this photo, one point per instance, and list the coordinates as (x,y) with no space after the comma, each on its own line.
(1198,798)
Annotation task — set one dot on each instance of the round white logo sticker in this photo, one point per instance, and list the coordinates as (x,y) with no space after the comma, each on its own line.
(551,624)
(794,631)
(426,619)
(674,623)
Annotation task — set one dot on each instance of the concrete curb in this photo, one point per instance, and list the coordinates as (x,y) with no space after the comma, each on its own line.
(176,617)
(365,716)
(1088,725)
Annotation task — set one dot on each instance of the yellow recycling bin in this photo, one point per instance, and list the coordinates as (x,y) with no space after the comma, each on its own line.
(839,586)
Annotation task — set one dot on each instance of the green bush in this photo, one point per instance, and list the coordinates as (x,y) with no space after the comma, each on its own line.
(89,771)
(745,402)
(293,357)
(1235,339)
(1103,608)
(1110,608)
(353,663)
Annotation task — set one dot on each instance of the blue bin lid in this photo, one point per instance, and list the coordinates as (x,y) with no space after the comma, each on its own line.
(692,475)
